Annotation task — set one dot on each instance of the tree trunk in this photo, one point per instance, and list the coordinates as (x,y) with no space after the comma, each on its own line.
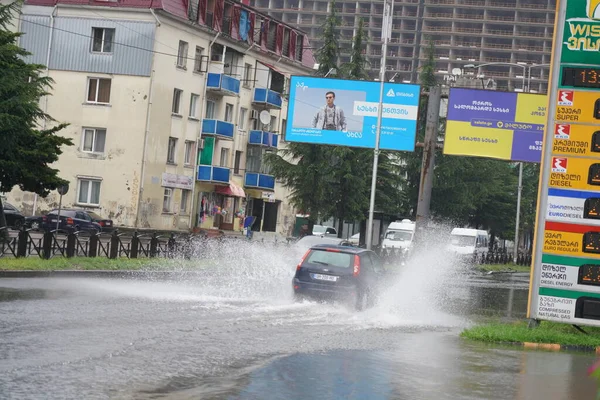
(340,227)
(3,227)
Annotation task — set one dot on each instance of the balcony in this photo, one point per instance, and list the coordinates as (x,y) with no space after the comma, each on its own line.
(266,97)
(259,181)
(263,138)
(211,173)
(220,129)
(223,84)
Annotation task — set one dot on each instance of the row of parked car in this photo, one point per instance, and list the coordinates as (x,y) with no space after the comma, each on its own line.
(71,219)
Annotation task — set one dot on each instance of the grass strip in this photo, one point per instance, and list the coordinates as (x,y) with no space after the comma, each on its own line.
(546,332)
(96,263)
(503,268)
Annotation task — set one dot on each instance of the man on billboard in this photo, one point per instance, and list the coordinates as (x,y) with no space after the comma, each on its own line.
(330,117)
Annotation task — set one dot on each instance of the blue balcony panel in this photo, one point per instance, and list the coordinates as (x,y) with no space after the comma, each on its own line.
(263,138)
(212,173)
(259,181)
(266,97)
(221,129)
(224,84)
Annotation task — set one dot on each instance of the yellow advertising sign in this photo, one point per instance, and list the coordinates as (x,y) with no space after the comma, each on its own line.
(488,123)
(574,173)
(581,140)
(578,106)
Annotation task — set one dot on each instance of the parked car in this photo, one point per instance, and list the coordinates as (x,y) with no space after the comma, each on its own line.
(14,218)
(324,230)
(105,223)
(70,219)
(347,273)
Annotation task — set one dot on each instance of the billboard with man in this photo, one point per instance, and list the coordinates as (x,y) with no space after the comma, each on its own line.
(344,112)
(489,123)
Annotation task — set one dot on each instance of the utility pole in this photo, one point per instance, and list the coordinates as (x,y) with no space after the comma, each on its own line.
(429,145)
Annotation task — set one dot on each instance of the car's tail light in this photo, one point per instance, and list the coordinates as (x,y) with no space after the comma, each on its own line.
(302,260)
(356,265)
(333,250)
(69,221)
(44,218)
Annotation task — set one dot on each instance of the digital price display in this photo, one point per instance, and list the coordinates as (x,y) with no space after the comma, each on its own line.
(594,175)
(581,77)
(591,208)
(591,242)
(589,274)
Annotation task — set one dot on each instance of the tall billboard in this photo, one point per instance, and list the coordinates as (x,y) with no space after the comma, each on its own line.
(565,276)
(344,112)
(502,125)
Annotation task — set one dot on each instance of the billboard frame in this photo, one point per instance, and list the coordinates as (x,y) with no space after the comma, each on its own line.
(415,89)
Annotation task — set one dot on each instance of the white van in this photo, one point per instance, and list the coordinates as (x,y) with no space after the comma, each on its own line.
(466,242)
(399,235)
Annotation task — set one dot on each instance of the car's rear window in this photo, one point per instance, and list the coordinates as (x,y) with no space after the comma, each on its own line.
(334,259)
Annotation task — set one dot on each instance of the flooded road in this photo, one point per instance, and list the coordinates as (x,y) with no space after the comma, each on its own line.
(234,333)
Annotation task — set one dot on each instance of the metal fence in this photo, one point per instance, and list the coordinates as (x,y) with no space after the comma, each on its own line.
(113,245)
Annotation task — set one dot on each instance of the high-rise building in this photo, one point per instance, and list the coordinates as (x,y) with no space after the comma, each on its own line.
(465,33)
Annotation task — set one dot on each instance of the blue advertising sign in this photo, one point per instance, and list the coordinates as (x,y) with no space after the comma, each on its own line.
(344,112)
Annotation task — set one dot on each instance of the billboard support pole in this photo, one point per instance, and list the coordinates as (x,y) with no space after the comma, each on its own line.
(519,189)
(431,130)
(386,32)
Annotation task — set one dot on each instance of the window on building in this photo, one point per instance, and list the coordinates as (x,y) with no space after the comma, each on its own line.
(88,191)
(238,160)
(211,108)
(198,59)
(190,149)
(253,154)
(283,128)
(224,158)
(93,140)
(182,54)
(177,101)
(98,90)
(171,150)
(194,101)
(185,197)
(273,124)
(102,40)
(242,119)
(248,76)
(167,200)
(229,112)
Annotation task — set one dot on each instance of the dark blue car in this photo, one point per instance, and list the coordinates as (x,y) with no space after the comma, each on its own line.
(333,272)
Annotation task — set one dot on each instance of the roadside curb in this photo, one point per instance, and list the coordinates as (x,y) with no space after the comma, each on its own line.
(555,347)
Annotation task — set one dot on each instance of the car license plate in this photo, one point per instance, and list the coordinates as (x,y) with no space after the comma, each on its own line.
(325,277)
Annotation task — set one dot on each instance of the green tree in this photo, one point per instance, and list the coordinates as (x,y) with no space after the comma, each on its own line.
(300,167)
(27,151)
(328,54)
(357,67)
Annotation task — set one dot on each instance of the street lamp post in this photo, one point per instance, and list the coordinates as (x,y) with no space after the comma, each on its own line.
(526,89)
(386,32)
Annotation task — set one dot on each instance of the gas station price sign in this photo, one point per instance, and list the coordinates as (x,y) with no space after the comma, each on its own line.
(565,275)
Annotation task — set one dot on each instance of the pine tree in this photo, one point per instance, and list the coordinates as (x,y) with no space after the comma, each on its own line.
(328,54)
(27,151)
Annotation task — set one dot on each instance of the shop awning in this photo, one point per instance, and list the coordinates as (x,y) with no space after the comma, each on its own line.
(231,190)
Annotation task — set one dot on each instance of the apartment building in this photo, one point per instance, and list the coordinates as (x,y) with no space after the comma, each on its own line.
(164,103)
(466,33)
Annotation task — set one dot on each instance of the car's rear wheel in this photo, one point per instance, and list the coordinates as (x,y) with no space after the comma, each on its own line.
(362,300)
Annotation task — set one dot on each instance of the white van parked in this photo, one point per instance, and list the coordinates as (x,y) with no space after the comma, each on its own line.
(466,242)
(399,235)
